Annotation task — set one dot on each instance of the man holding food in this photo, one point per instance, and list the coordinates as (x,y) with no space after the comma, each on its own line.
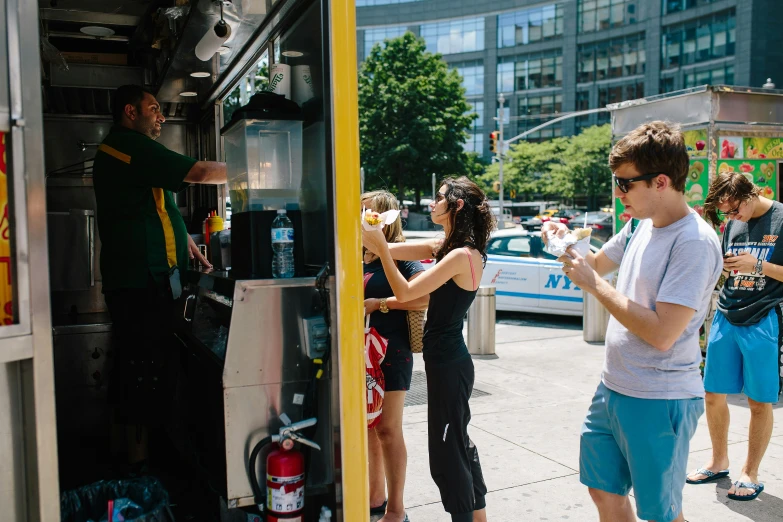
(743,351)
(645,411)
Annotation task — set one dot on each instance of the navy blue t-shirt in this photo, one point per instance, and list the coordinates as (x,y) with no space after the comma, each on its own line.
(393,325)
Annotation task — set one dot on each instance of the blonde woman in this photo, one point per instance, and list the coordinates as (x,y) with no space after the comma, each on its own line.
(388,455)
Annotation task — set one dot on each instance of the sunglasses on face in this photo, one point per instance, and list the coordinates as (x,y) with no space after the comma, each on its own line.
(624,184)
(723,215)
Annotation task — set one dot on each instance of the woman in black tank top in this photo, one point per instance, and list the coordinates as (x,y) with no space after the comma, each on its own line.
(464,212)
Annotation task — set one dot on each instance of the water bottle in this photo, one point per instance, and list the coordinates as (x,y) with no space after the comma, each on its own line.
(282,246)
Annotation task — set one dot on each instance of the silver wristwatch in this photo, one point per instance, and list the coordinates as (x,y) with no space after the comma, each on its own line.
(759,264)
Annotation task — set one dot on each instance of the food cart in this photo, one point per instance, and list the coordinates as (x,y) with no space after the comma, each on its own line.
(258,354)
(726,129)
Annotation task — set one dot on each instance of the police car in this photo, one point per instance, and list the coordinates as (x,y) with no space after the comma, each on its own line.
(525,277)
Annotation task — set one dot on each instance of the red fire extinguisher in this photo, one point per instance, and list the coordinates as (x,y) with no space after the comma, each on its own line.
(285,473)
(285,484)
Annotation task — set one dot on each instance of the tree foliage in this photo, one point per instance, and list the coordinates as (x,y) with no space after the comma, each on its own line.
(560,168)
(413,117)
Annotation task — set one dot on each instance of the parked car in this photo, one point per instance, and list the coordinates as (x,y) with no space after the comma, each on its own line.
(528,279)
(602,224)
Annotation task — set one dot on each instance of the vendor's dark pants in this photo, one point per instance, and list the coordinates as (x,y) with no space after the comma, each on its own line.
(454,460)
(142,381)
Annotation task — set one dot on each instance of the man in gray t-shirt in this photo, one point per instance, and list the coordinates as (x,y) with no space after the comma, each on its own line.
(744,348)
(638,429)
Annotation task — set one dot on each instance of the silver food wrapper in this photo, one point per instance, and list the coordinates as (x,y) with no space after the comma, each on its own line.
(558,246)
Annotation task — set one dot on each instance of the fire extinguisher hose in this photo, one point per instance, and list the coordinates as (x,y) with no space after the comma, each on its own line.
(259,496)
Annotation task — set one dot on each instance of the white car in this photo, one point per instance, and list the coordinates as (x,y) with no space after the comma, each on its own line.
(526,278)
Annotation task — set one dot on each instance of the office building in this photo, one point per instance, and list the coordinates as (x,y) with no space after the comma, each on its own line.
(552,57)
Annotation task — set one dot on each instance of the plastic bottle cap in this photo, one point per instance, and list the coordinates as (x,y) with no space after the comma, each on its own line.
(281,211)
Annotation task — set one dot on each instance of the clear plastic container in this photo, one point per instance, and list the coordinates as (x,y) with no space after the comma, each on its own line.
(264,163)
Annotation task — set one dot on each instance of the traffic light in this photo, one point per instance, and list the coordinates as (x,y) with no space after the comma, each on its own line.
(496,186)
(493,142)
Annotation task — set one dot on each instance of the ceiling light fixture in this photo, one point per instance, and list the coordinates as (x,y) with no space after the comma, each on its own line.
(292,54)
(188,93)
(97,31)
(213,39)
(200,74)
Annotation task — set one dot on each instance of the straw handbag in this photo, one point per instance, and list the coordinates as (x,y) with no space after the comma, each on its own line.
(416,330)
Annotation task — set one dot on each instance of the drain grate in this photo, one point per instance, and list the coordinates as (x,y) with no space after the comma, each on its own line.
(417,395)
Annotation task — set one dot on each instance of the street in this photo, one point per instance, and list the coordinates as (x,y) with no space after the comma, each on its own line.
(526,426)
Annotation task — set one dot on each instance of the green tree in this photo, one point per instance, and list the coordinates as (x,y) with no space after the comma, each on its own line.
(413,117)
(560,168)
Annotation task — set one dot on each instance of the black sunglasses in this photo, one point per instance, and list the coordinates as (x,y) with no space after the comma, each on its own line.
(625,183)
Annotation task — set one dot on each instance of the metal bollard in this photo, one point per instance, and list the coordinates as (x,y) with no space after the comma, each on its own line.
(595,319)
(481,322)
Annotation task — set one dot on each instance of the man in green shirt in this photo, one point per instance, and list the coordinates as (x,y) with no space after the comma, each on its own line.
(145,248)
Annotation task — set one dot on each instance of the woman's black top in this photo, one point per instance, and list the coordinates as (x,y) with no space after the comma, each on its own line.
(443,340)
(394,324)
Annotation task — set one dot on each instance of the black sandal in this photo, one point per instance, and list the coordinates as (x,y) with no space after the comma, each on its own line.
(379,510)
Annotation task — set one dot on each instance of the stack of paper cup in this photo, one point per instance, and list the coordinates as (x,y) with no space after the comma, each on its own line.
(280,79)
(303,84)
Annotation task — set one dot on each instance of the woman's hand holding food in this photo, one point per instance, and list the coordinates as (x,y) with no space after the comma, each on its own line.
(373,240)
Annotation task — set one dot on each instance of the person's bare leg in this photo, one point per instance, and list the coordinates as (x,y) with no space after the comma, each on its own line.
(480,515)
(395,454)
(377,476)
(611,507)
(718,418)
(761,422)
(680,518)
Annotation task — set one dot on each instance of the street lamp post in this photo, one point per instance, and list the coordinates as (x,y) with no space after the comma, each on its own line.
(501,220)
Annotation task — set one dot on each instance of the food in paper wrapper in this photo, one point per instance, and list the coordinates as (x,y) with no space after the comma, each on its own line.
(579,238)
(373,220)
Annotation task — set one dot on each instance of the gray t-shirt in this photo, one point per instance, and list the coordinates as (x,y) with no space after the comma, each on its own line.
(747,298)
(678,264)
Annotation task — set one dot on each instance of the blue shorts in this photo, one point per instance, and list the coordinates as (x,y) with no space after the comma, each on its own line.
(745,358)
(641,443)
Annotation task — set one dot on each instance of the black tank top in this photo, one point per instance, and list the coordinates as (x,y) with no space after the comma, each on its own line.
(443,340)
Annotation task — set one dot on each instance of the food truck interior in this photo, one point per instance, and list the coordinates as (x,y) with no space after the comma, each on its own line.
(251,351)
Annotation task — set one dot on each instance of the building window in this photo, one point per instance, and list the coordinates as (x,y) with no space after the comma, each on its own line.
(379,35)
(599,15)
(477,107)
(667,84)
(616,58)
(472,76)
(582,104)
(535,110)
(530,25)
(454,36)
(723,75)
(608,94)
(674,6)
(533,71)
(475,143)
(699,40)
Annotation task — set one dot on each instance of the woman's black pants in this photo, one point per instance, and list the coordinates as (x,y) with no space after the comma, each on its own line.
(454,460)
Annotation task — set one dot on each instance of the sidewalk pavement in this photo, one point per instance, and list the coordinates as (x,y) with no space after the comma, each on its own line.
(527,433)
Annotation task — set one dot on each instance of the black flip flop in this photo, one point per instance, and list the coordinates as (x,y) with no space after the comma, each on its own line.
(758,488)
(379,510)
(712,476)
